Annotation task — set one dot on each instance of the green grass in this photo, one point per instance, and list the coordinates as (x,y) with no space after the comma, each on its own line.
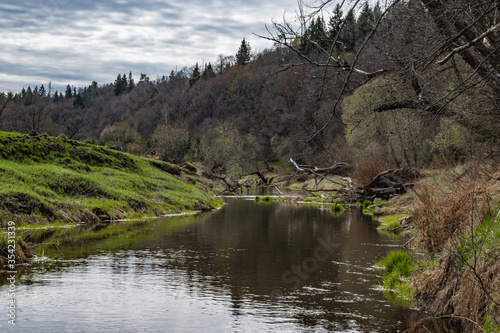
(484,240)
(391,222)
(48,179)
(336,209)
(265,199)
(490,326)
(398,268)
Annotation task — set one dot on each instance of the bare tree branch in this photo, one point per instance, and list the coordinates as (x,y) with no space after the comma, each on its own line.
(469,44)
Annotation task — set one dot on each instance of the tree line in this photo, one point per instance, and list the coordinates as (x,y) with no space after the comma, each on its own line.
(401,84)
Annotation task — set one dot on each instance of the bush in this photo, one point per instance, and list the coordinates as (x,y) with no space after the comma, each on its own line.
(120,135)
(171,141)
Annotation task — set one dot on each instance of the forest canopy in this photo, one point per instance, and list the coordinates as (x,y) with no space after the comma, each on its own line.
(401,81)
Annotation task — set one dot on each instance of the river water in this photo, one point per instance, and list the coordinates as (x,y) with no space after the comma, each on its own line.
(249,267)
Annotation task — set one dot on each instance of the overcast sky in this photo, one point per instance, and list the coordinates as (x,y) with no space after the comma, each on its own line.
(77,42)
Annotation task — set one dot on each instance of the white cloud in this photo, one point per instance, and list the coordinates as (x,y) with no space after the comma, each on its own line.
(81,41)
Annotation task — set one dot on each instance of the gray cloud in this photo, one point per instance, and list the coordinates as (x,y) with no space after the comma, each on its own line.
(75,42)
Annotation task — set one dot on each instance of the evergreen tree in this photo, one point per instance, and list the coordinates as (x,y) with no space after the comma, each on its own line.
(376,12)
(28,96)
(42,91)
(315,36)
(348,34)
(131,83)
(335,23)
(78,102)
(144,78)
(120,84)
(243,55)
(365,21)
(195,76)
(68,94)
(208,73)
(74,92)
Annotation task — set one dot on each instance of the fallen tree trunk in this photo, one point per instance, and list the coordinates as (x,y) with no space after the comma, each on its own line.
(385,185)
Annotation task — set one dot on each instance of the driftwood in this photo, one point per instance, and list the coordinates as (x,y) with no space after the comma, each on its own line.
(384,185)
(389,183)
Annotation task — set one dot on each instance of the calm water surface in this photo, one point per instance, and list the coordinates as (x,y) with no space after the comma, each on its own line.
(246,268)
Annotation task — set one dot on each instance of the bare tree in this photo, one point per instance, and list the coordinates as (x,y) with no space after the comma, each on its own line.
(438,49)
(34,114)
(5,99)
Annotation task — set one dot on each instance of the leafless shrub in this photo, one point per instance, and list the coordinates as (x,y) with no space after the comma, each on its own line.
(366,169)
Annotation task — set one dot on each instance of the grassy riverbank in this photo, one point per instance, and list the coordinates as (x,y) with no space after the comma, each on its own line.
(454,271)
(49,179)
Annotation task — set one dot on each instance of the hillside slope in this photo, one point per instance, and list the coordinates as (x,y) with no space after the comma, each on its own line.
(46,179)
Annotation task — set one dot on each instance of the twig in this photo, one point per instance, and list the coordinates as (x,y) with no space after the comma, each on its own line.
(408,242)
(276,187)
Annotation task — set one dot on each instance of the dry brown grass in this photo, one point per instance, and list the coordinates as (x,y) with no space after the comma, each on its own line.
(454,204)
(367,169)
(450,206)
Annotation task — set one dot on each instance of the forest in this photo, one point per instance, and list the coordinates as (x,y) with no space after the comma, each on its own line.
(401,84)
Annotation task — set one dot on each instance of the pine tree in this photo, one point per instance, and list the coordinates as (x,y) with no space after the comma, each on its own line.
(42,91)
(195,76)
(335,23)
(243,55)
(208,73)
(68,94)
(144,78)
(28,96)
(131,83)
(120,84)
(348,34)
(78,102)
(365,21)
(315,36)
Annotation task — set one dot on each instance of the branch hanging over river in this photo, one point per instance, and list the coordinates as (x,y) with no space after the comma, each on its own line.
(384,185)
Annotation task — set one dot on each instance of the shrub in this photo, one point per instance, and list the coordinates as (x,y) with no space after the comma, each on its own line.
(120,135)
(171,141)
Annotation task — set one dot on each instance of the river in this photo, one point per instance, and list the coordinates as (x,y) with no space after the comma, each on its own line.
(249,267)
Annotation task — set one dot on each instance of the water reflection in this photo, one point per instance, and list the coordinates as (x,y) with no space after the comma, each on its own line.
(246,268)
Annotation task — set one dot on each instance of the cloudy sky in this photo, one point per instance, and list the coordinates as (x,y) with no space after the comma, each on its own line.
(77,42)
